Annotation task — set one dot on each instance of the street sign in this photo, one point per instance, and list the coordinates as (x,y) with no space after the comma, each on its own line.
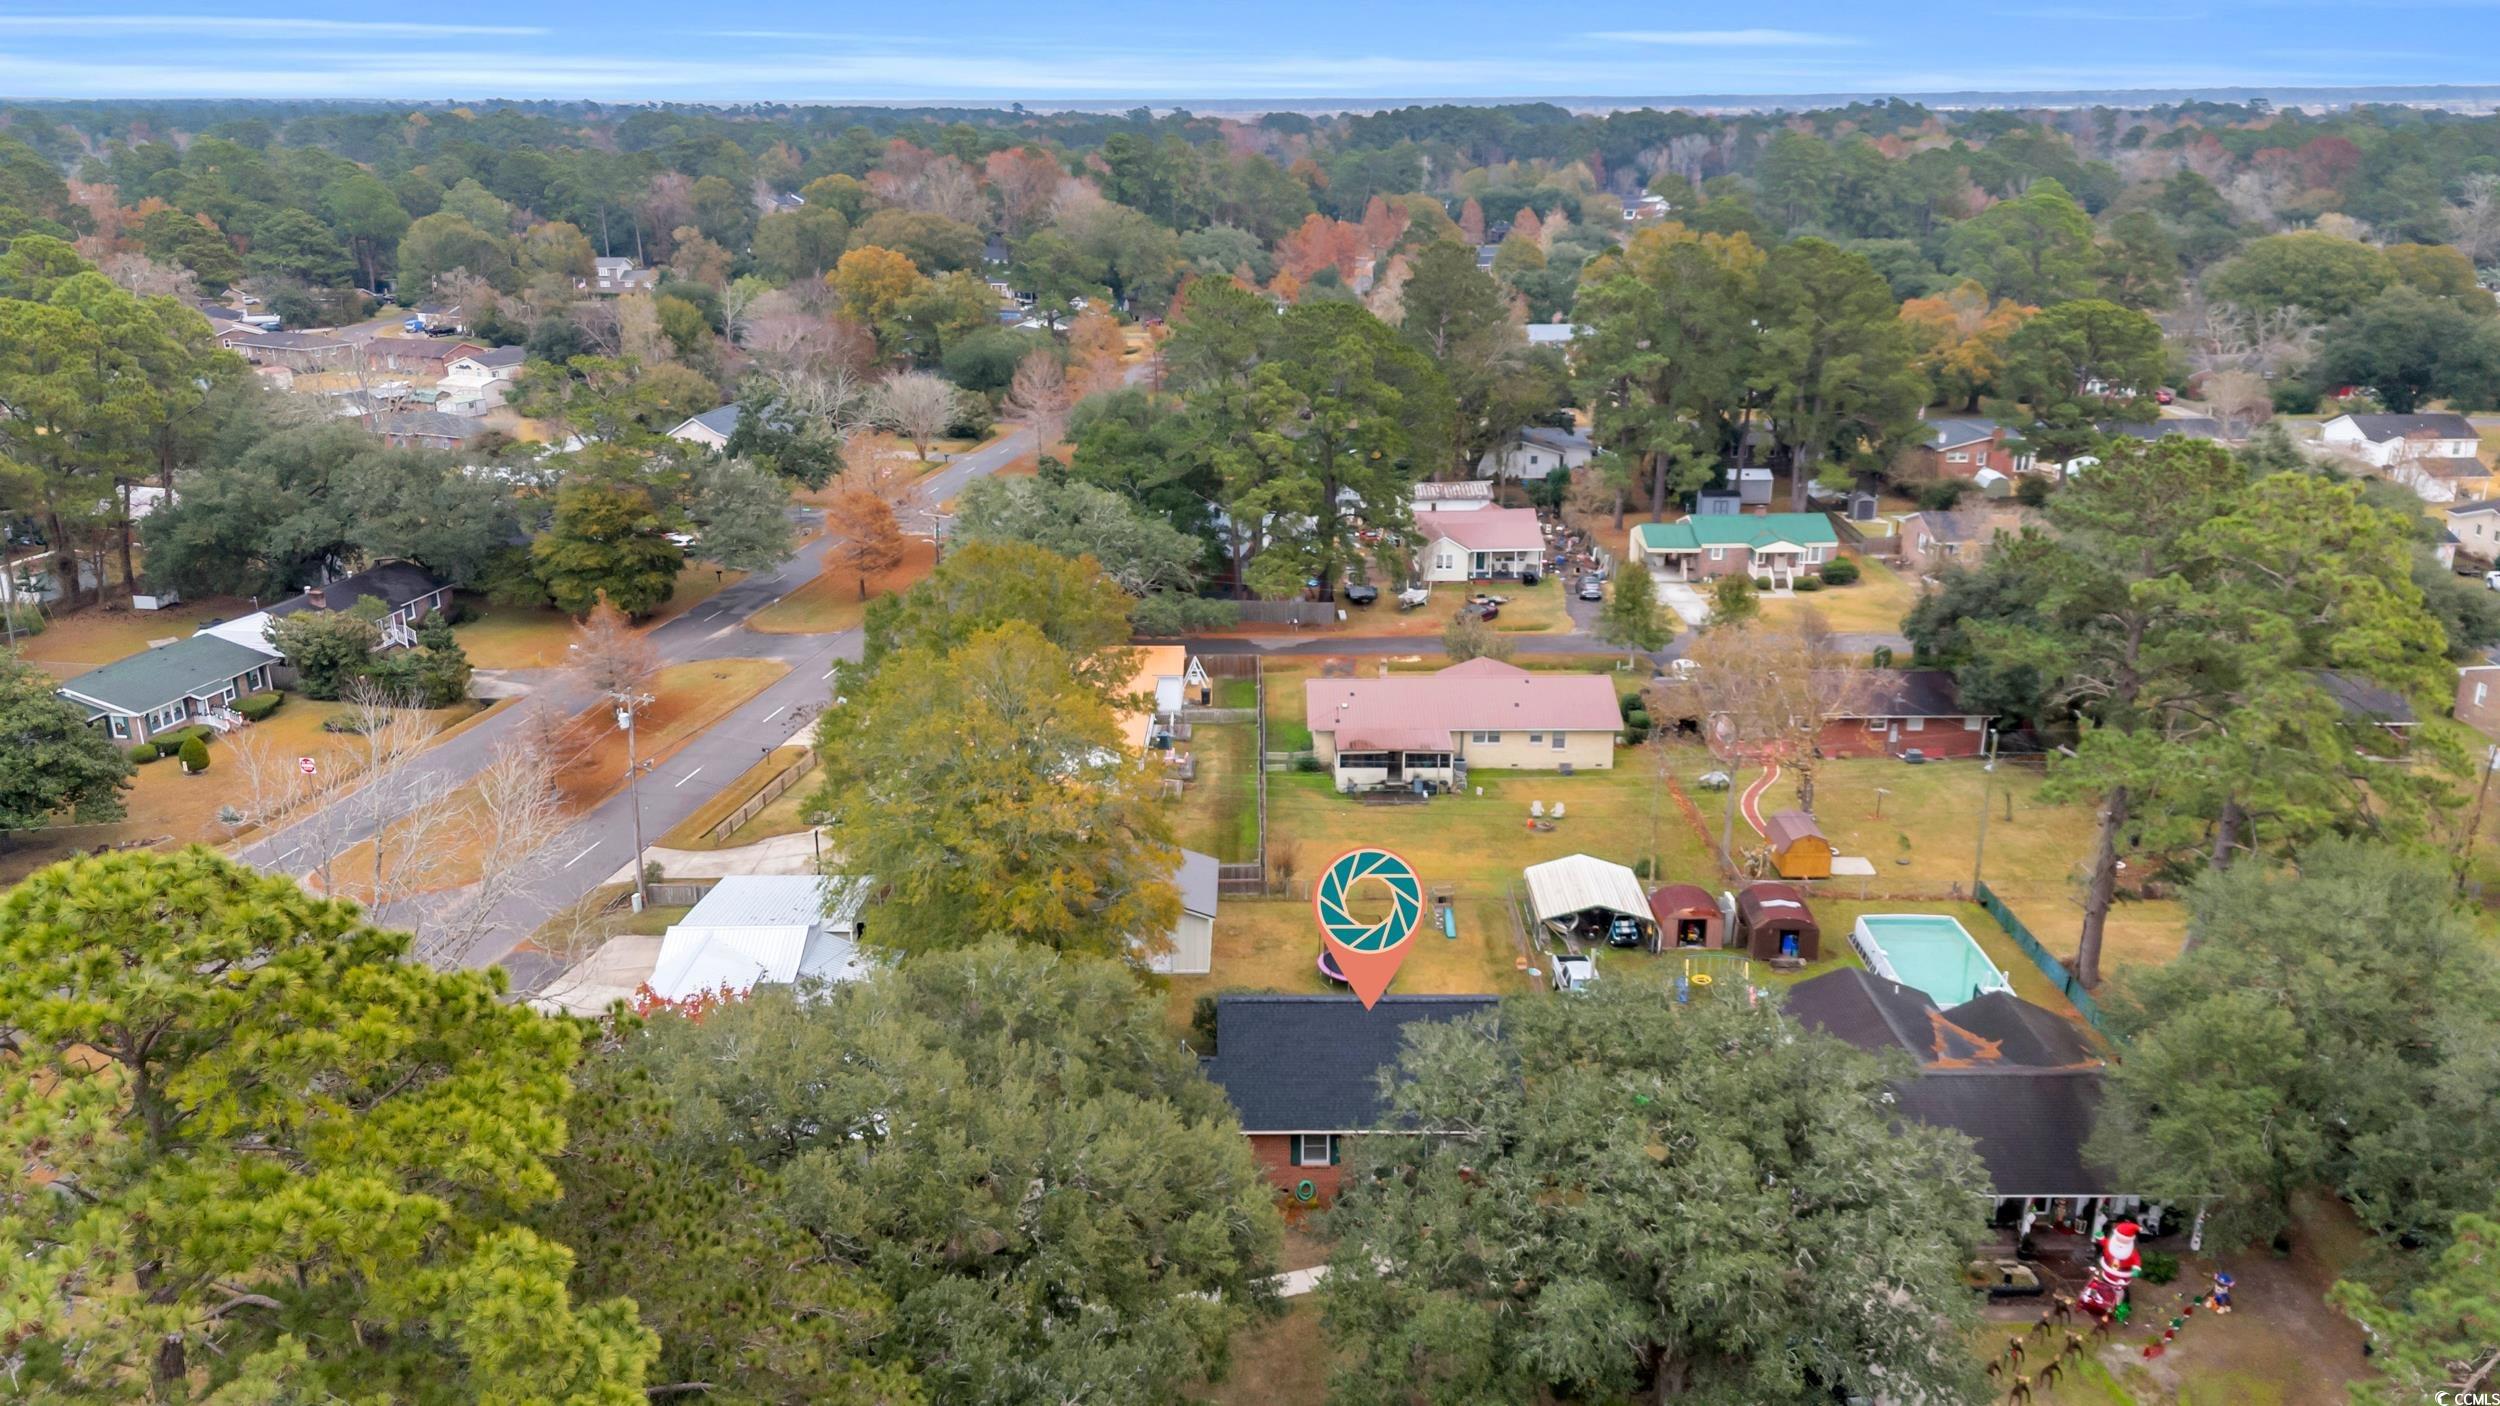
(306,765)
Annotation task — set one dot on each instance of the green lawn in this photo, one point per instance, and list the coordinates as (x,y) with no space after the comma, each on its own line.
(1874,604)
(1218,813)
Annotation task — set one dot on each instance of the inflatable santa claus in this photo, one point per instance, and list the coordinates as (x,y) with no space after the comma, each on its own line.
(2111,1274)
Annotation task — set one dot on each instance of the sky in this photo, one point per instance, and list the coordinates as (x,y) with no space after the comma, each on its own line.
(1013,50)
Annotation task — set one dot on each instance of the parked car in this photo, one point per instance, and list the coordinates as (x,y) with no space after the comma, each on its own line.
(1570,973)
(1592,589)
(1713,781)
(2003,1279)
(2163,395)
(1623,932)
(1356,594)
(1485,610)
(1914,756)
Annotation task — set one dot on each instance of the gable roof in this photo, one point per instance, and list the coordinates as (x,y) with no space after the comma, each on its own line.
(1458,491)
(1787,827)
(1410,712)
(394,583)
(2032,1036)
(1751,531)
(1491,530)
(1582,883)
(1681,901)
(153,678)
(1953,430)
(1767,901)
(2450,466)
(1857,1006)
(1901,693)
(2365,700)
(2378,429)
(768,900)
(1309,1064)
(2029,1126)
(722,421)
(1196,880)
(497,358)
(2479,505)
(1547,437)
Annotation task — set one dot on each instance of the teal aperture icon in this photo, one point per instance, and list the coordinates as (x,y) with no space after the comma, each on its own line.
(1355,866)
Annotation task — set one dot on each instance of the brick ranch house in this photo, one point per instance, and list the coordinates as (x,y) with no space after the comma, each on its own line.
(1395,731)
(1773,547)
(1301,1071)
(1960,447)
(1885,712)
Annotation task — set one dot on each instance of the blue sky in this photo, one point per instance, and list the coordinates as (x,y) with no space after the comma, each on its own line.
(991,50)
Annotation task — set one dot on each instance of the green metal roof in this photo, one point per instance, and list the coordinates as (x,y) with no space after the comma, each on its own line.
(1736,530)
(153,678)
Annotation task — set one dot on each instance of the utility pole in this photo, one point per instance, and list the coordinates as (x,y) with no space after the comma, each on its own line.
(1979,852)
(626,707)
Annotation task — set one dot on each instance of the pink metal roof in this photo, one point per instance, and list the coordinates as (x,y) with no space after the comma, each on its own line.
(1419,712)
(1490,529)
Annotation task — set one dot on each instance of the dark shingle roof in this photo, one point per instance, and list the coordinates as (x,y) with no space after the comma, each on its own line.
(722,421)
(1307,1064)
(2439,425)
(2024,1034)
(1860,1008)
(1944,433)
(394,583)
(2029,1125)
(1901,693)
(150,680)
(2365,700)
(2191,426)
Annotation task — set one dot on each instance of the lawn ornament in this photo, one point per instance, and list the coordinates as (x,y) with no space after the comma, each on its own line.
(2116,1268)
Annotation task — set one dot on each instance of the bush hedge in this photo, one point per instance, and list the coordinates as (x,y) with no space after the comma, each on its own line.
(142,753)
(168,743)
(194,755)
(1839,571)
(256,706)
(1808,583)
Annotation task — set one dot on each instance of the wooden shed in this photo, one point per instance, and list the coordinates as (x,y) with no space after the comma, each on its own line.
(1798,849)
(1687,917)
(1773,921)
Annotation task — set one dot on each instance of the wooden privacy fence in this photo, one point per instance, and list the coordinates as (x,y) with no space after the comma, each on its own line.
(2056,971)
(667,893)
(1857,539)
(1229,666)
(765,795)
(1287,612)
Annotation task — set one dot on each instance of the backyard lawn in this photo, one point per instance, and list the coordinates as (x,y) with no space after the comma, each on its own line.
(832,602)
(535,636)
(1527,610)
(1873,605)
(1218,813)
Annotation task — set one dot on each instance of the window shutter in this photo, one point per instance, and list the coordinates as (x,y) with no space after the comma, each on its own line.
(1333,1149)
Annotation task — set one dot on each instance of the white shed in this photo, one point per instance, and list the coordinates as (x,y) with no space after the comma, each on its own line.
(1193,937)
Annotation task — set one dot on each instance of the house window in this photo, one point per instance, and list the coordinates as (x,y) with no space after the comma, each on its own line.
(120,726)
(1718,553)
(2479,690)
(1314,1149)
(1970,724)
(1535,737)
(1813,555)
(1558,741)
(1485,737)
(1957,457)
(1875,724)
(1918,724)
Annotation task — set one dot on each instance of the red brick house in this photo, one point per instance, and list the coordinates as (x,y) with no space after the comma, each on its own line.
(1885,712)
(2478,699)
(1300,1072)
(1960,447)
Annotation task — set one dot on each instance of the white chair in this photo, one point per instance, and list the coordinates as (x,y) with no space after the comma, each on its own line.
(1536,810)
(1557,811)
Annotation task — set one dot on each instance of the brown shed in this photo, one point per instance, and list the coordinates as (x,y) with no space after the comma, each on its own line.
(1773,921)
(1798,849)
(1687,917)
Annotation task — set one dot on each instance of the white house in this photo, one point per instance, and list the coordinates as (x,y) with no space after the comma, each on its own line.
(2476,528)
(1490,544)
(2382,440)
(1535,452)
(711,429)
(478,382)
(1193,937)
(758,929)
(617,275)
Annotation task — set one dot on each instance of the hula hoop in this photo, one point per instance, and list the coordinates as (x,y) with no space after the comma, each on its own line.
(1406,899)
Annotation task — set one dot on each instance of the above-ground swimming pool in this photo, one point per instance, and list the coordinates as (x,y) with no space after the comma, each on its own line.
(1927,951)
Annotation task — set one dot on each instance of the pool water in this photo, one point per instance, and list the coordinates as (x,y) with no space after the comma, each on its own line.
(1930,952)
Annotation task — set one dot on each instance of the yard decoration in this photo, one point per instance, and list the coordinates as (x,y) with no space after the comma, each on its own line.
(2116,1268)
(1368,954)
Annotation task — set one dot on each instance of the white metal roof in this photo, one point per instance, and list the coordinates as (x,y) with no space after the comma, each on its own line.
(776,900)
(1577,883)
(738,959)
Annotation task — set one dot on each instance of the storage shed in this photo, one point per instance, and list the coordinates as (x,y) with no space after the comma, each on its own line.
(1687,916)
(1798,849)
(1773,921)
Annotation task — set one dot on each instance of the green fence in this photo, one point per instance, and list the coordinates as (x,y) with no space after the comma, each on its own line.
(2050,967)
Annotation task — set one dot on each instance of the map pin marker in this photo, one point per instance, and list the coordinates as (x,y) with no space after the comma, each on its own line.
(1368,954)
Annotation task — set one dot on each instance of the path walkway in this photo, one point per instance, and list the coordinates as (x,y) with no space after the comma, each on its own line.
(775,854)
(1751,804)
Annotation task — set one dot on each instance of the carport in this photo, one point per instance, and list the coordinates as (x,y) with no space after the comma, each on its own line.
(1580,896)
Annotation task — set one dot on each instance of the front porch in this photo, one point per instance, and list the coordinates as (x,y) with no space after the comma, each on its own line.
(1420,771)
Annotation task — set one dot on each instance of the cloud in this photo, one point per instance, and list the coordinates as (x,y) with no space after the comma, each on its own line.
(1726,38)
(253,27)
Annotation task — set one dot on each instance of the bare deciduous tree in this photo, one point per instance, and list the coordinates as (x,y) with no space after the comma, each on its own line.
(1765,689)
(1041,394)
(2476,217)
(513,809)
(918,406)
(609,656)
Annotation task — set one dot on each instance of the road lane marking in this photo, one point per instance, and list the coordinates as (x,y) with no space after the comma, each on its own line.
(829,672)
(777,712)
(585,854)
(689,776)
